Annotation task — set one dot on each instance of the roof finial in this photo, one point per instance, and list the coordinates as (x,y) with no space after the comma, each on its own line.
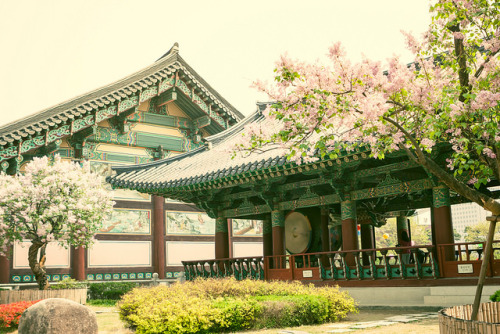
(175,48)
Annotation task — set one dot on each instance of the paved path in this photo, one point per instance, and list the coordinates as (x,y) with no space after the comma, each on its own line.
(351,327)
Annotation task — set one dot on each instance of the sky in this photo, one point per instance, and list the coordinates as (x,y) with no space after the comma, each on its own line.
(52,51)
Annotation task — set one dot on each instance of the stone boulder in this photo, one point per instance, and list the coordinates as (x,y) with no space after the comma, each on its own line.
(56,316)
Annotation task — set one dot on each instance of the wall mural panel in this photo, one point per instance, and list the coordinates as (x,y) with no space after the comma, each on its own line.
(130,221)
(104,169)
(247,228)
(189,223)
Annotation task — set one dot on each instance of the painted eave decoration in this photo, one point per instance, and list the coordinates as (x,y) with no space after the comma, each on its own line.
(212,166)
(169,78)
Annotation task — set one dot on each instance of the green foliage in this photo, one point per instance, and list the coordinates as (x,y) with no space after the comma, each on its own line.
(495,297)
(208,306)
(110,290)
(69,283)
(102,302)
(479,231)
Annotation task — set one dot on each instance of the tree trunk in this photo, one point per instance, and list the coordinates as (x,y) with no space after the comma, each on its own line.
(484,266)
(38,267)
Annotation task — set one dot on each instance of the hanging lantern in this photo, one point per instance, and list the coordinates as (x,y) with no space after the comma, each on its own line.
(385,236)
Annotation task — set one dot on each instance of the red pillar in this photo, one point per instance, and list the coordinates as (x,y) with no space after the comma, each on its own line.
(278,232)
(78,263)
(4,269)
(267,236)
(443,227)
(159,262)
(221,238)
(349,232)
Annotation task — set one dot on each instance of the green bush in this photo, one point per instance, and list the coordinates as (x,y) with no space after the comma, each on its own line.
(109,290)
(495,297)
(102,302)
(68,283)
(208,306)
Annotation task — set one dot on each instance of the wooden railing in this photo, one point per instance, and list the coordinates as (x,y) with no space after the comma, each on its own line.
(240,268)
(416,262)
(465,259)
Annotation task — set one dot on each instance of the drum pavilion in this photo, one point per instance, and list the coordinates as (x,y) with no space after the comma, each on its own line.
(311,213)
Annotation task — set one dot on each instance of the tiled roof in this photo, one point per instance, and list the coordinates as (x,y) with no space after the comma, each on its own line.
(210,162)
(120,91)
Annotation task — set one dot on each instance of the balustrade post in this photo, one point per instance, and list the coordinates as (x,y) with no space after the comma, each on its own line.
(349,232)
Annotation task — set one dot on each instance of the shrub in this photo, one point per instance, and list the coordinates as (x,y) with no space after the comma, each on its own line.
(68,283)
(495,297)
(10,314)
(214,305)
(109,290)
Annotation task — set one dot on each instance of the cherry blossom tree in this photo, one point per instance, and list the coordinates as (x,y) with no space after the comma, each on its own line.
(53,200)
(445,102)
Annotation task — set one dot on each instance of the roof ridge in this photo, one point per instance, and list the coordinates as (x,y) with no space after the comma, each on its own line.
(89,94)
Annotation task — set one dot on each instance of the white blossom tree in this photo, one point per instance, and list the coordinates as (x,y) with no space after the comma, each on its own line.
(53,200)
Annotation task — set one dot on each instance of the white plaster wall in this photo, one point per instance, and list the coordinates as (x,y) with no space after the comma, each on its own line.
(247,249)
(178,251)
(107,253)
(57,256)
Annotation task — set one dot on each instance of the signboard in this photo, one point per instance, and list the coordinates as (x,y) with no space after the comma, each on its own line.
(307,274)
(465,269)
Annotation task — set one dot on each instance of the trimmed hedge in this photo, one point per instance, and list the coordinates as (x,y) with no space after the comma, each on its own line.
(109,290)
(10,314)
(222,305)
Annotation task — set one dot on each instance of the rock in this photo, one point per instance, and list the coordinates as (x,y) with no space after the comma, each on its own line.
(58,315)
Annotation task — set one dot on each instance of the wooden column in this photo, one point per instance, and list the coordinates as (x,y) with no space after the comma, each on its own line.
(367,236)
(443,227)
(159,262)
(267,236)
(349,232)
(278,232)
(401,226)
(221,238)
(4,269)
(325,235)
(78,263)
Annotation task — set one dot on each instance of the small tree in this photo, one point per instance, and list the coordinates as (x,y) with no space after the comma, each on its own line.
(51,201)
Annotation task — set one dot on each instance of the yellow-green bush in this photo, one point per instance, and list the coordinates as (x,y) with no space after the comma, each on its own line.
(218,305)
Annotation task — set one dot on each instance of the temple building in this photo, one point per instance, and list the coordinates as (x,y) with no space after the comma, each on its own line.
(161,111)
(312,213)
(162,138)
